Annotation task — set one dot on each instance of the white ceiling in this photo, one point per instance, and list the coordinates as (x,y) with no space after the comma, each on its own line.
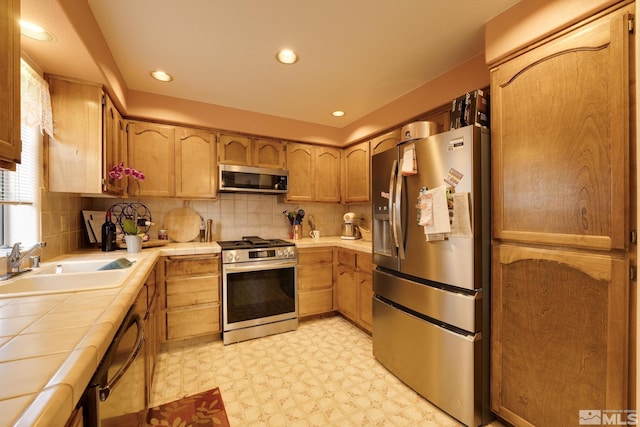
(355,55)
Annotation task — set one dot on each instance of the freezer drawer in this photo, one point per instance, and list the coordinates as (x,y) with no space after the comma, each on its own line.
(439,364)
(461,310)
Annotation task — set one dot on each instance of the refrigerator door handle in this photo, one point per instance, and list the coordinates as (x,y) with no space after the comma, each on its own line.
(397,211)
(392,184)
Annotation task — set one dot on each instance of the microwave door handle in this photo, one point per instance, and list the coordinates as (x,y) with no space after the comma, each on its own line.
(105,390)
(397,212)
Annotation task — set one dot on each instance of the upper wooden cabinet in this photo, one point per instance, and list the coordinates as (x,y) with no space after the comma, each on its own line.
(196,168)
(151,150)
(356,173)
(10,142)
(560,139)
(177,161)
(88,139)
(314,173)
(244,151)
(385,142)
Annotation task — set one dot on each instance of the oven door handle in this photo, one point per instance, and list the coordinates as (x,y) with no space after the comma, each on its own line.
(257,266)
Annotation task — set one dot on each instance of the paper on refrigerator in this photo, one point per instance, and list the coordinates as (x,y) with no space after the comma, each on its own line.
(433,212)
(461,219)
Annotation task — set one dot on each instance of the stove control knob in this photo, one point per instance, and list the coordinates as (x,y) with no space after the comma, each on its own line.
(229,257)
(237,257)
(279,252)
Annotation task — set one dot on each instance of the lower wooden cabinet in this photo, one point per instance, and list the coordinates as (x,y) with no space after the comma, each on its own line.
(559,334)
(190,296)
(364,279)
(354,287)
(315,281)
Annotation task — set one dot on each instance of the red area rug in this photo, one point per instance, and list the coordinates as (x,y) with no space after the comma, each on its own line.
(202,409)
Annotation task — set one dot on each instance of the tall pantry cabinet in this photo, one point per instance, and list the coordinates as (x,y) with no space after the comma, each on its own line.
(563,219)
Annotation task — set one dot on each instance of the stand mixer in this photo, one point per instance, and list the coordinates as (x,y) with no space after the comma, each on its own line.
(350,230)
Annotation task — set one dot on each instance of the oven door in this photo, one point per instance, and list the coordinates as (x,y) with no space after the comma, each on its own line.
(256,293)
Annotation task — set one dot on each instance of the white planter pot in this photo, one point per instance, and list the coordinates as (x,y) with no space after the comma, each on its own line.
(134,243)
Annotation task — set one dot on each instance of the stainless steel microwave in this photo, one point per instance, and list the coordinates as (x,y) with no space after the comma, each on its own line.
(246,179)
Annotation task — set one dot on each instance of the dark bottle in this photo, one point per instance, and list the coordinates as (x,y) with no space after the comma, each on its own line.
(108,234)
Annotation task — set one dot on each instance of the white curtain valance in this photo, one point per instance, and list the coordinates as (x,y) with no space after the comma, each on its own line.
(35,103)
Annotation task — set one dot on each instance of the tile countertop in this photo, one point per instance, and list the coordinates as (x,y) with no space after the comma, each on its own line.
(50,345)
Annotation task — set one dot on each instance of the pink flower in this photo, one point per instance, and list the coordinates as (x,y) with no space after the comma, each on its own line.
(119,171)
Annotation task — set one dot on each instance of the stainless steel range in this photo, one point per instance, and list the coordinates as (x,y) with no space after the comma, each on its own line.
(259,288)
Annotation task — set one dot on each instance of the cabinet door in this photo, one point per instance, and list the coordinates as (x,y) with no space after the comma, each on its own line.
(365,291)
(385,142)
(300,163)
(235,150)
(151,150)
(559,328)
(356,173)
(196,167)
(327,174)
(560,139)
(346,287)
(75,153)
(268,154)
(113,146)
(10,142)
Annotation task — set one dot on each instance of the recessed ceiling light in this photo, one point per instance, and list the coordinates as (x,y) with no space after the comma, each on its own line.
(337,113)
(287,56)
(36,32)
(161,75)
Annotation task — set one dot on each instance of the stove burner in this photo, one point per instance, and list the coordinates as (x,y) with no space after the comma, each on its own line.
(251,242)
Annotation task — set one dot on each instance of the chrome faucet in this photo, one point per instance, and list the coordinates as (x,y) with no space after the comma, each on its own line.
(15,258)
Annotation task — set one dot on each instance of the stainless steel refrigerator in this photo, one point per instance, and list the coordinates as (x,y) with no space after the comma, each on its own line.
(431,247)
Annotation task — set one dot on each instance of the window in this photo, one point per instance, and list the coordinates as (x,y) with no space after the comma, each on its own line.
(20,189)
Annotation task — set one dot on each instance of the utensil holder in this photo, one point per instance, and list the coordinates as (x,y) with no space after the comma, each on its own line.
(296,232)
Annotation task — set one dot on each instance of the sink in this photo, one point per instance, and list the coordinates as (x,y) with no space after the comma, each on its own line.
(74,267)
(37,284)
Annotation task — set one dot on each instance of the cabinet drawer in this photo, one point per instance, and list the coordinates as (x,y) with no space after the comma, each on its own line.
(315,302)
(191,322)
(347,258)
(314,257)
(310,278)
(192,290)
(190,266)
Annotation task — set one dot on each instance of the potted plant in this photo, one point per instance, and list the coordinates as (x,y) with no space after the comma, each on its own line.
(132,235)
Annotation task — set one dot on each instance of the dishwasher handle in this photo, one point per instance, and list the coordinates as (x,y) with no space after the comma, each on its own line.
(131,319)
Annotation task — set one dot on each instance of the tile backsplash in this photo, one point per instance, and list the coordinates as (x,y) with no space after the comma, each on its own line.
(234,215)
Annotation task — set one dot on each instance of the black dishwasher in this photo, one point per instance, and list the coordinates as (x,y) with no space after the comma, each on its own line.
(116,394)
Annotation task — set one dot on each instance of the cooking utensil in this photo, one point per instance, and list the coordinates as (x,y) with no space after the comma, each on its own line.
(182,224)
(312,223)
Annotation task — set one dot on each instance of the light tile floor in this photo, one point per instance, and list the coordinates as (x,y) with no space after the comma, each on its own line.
(323,374)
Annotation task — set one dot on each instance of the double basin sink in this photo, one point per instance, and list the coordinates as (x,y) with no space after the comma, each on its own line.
(68,276)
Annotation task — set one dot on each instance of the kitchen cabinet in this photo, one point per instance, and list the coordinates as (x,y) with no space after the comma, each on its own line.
(356,166)
(88,139)
(196,168)
(315,281)
(190,296)
(385,142)
(354,287)
(10,142)
(245,151)
(177,161)
(151,150)
(314,173)
(364,291)
(559,328)
(562,164)
(346,289)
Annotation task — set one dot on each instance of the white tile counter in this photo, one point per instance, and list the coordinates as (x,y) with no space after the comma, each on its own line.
(50,345)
